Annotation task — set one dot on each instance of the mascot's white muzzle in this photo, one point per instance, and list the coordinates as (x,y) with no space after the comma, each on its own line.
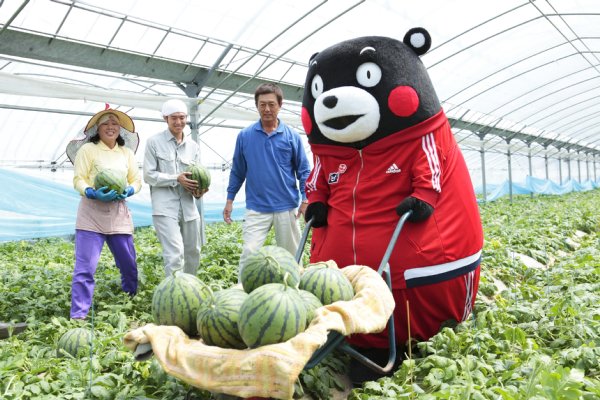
(346,114)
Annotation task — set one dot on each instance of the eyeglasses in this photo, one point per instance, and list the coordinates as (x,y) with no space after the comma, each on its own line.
(264,106)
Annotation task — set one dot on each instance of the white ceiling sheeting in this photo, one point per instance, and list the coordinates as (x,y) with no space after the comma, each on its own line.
(527,69)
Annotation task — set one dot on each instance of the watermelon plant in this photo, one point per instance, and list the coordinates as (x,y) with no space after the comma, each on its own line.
(533,333)
(269,264)
(177,299)
(112,179)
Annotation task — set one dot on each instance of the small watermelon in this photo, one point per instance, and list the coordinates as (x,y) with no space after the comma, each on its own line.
(269,264)
(177,299)
(218,319)
(112,179)
(273,313)
(200,174)
(328,284)
(311,302)
(76,342)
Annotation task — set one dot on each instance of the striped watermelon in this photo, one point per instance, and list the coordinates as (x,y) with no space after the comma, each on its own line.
(200,174)
(218,319)
(328,284)
(269,265)
(311,302)
(113,179)
(76,342)
(273,313)
(176,301)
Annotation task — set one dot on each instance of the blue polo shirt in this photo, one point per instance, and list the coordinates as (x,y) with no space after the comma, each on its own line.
(274,167)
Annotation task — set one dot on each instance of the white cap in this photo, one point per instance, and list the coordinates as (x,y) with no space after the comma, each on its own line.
(174,106)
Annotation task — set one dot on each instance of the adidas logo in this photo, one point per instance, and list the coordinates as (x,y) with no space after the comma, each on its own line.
(393,169)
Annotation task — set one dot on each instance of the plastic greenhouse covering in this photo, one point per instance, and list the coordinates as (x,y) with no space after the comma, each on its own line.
(518,80)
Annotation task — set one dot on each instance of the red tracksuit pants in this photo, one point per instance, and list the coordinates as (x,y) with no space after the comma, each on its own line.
(430,306)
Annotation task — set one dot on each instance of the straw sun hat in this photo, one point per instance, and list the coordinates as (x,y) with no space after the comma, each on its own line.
(132,139)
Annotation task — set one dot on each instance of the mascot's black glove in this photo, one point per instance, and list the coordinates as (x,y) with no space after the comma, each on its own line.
(318,212)
(420,209)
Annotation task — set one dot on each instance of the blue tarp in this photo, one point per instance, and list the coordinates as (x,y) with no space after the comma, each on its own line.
(538,186)
(32,207)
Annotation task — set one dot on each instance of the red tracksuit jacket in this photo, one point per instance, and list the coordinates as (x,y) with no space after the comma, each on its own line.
(363,187)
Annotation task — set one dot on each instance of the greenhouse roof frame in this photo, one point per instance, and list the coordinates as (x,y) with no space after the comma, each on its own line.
(528,97)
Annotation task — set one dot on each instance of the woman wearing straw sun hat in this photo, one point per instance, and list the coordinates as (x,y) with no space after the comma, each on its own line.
(109,142)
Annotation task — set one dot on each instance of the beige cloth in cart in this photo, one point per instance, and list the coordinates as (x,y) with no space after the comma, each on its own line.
(271,370)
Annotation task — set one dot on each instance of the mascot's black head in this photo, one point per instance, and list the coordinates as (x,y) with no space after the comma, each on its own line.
(361,90)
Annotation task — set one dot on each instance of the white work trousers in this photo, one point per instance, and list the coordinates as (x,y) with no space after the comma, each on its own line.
(180,241)
(257,225)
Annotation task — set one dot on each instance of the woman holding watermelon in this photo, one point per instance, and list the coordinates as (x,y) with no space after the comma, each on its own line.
(103,158)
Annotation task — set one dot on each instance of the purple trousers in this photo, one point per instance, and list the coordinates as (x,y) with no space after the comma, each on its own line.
(88,246)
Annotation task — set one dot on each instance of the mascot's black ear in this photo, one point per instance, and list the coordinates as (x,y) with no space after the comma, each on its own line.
(418,39)
(312,57)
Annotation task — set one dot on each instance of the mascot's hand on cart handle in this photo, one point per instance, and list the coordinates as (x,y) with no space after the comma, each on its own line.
(318,212)
(420,209)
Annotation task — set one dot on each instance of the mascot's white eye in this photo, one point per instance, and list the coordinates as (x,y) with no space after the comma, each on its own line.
(316,86)
(368,74)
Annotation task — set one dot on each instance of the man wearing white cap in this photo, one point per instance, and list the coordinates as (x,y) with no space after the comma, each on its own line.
(174,212)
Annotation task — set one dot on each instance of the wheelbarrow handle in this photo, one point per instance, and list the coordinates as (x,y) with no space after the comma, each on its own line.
(390,248)
(303,240)
(386,255)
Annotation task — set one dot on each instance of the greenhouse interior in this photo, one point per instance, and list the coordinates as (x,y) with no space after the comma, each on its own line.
(516,81)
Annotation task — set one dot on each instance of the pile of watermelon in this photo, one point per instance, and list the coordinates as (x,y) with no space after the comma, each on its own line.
(275,303)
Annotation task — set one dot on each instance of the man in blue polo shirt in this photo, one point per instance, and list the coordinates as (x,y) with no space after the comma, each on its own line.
(270,158)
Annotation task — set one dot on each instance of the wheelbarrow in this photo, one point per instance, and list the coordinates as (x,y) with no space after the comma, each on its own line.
(291,359)
(335,340)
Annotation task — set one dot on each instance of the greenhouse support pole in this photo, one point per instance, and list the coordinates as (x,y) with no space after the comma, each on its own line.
(546,165)
(530,166)
(192,90)
(568,165)
(579,166)
(510,188)
(560,179)
(194,118)
(595,178)
(587,166)
(483,182)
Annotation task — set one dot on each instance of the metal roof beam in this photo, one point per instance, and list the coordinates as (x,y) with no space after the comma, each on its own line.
(45,48)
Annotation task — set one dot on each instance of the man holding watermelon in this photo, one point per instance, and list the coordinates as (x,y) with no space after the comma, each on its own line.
(173,193)
(270,158)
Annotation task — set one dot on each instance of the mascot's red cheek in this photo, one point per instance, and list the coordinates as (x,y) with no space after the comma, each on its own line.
(403,101)
(306,122)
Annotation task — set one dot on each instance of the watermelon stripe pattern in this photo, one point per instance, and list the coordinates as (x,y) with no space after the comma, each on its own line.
(177,299)
(328,284)
(218,319)
(311,302)
(75,342)
(269,264)
(112,179)
(201,175)
(273,313)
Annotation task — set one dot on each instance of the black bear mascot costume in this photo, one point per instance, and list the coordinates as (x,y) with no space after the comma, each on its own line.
(382,145)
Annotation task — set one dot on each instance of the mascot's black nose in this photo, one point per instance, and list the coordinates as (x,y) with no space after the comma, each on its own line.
(330,101)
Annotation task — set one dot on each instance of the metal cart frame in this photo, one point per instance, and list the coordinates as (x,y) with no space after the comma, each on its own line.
(336,340)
